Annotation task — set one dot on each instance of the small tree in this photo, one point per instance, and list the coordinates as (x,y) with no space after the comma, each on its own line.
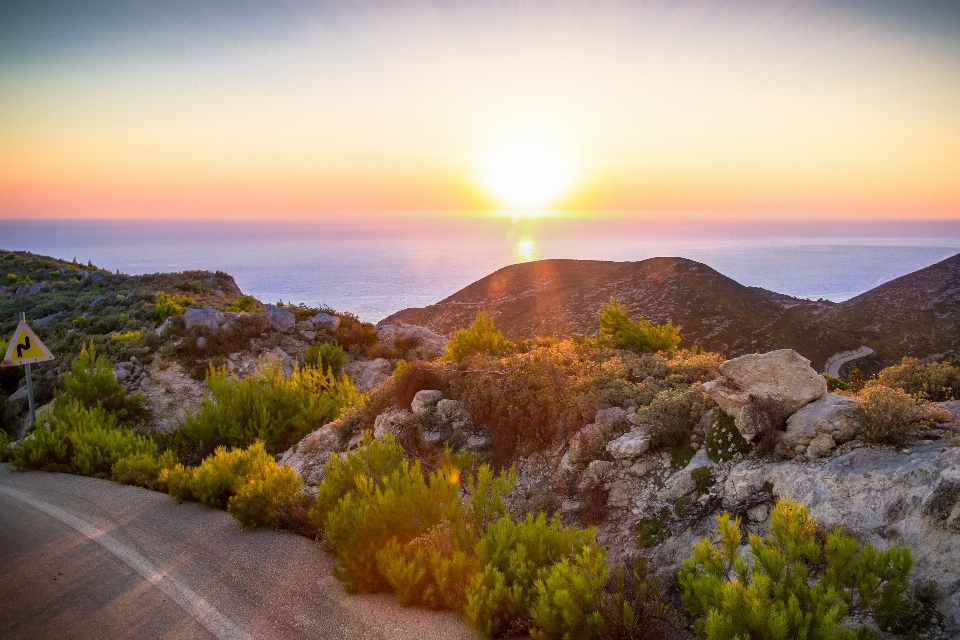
(480,337)
(637,335)
(93,384)
(798,585)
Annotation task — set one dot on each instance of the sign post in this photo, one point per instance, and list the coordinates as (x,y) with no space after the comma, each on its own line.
(25,348)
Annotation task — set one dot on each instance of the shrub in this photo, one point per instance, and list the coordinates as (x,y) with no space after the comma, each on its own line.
(128,336)
(673,414)
(724,440)
(4,446)
(355,336)
(327,357)
(413,378)
(245,303)
(702,479)
(480,337)
(513,556)
(566,597)
(170,304)
(653,530)
(886,415)
(265,406)
(798,585)
(934,381)
(142,469)
(637,335)
(92,383)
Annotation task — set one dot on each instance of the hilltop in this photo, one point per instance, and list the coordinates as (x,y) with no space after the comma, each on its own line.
(914,315)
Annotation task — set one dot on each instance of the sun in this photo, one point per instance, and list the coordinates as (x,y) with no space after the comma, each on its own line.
(527,175)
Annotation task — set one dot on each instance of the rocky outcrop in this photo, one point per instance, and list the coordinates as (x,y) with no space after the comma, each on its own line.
(819,426)
(210,319)
(368,374)
(415,342)
(308,456)
(26,290)
(390,422)
(778,382)
(279,319)
(326,321)
(630,445)
(425,401)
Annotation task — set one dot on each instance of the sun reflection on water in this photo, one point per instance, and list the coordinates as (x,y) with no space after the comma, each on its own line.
(526,250)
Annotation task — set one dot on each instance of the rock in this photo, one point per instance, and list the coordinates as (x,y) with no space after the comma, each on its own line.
(304,325)
(122,375)
(783,378)
(279,319)
(630,445)
(204,318)
(758,513)
(886,498)
(425,400)
(20,395)
(417,342)
(326,320)
(390,421)
(45,320)
(368,374)
(201,343)
(29,289)
(166,327)
(824,423)
(309,455)
(614,418)
(309,335)
(95,279)
(587,444)
(447,422)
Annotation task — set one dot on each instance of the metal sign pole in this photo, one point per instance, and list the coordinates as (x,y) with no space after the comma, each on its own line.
(33,415)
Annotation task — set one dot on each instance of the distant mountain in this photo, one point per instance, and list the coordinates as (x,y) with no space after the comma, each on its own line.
(917,315)
(563,298)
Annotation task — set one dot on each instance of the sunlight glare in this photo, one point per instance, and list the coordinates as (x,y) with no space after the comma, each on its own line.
(527,175)
(526,250)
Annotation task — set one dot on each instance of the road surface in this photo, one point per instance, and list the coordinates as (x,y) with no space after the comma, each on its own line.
(86,558)
(834,369)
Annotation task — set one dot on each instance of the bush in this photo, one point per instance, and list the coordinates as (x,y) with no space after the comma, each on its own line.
(142,469)
(265,406)
(724,440)
(170,304)
(245,303)
(934,381)
(327,357)
(636,335)
(128,336)
(886,415)
(513,556)
(673,415)
(480,337)
(248,482)
(414,377)
(566,597)
(798,584)
(356,337)
(92,383)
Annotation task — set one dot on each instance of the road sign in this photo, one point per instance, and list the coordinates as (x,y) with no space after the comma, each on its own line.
(25,348)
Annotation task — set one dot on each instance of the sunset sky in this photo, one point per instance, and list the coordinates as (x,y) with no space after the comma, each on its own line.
(325,109)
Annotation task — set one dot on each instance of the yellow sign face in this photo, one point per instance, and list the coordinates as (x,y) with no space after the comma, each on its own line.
(25,348)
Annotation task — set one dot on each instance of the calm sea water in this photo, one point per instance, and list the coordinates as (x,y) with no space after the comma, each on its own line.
(375,269)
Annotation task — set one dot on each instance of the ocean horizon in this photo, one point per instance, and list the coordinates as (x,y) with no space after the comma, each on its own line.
(374,271)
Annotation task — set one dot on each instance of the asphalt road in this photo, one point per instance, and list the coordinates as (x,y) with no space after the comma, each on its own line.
(834,369)
(85,558)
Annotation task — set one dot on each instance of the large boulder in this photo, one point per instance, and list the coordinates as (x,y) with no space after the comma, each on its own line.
(630,445)
(781,381)
(824,423)
(326,320)
(417,342)
(309,456)
(204,318)
(368,374)
(29,289)
(279,319)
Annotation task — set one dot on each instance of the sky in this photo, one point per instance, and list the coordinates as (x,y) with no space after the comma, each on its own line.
(240,109)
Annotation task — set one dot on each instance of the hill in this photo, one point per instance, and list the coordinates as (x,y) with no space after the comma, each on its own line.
(563,297)
(916,315)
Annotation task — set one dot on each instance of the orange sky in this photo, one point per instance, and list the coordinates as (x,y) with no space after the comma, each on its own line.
(322,110)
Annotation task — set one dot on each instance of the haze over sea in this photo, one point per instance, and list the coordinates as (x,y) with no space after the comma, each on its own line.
(376,269)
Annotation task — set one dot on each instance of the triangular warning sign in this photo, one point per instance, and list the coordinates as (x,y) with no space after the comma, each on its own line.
(25,348)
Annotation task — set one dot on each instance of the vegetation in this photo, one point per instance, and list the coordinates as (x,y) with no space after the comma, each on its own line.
(480,337)
(673,414)
(887,415)
(327,357)
(724,440)
(798,584)
(245,303)
(170,304)
(933,381)
(264,406)
(637,335)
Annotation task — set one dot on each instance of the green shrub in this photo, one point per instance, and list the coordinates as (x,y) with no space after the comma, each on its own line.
(653,530)
(513,555)
(702,479)
(80,322)
(724,440)
(933,381)
(170,304)
(636,335)
(480,337)
(245,303)
(264,406)
(328,357)
(128,336)
(673,414)
(798,585)
(886,415)
(92,383)
(142,469)
(4,446)
(566,600)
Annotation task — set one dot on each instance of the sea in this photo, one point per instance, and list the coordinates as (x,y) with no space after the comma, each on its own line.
(374,267)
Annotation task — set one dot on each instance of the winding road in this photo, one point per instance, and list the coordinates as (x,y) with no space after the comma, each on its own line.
(86,558)
(834,365)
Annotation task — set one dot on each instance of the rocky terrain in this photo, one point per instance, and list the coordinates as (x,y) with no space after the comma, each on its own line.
(916,315)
